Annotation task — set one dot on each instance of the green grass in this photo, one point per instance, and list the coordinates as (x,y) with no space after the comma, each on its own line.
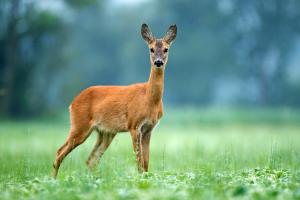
(189,160)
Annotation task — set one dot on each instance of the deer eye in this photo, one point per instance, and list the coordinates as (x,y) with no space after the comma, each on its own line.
(166,50)
(152,50)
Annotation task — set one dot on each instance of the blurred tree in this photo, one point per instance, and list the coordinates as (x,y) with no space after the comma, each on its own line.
(227,52)
(203,53)
(266,32)
(77,4)
(26,34)
(9,59)
(246,42)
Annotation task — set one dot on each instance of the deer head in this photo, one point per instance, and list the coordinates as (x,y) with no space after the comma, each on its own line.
(159,48)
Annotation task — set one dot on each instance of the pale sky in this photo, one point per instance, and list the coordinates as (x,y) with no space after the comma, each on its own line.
(128,2)
(58,5)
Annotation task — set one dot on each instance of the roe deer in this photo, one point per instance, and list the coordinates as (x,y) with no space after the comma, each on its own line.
(111,109)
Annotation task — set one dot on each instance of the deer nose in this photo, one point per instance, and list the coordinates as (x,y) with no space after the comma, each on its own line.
(158,63)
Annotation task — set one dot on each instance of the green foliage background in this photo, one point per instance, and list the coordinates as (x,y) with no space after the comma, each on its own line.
(227,53)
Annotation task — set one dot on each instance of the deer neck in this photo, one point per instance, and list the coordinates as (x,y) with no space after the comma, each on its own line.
(155,85)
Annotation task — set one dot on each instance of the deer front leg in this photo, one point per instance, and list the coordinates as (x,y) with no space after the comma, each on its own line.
(146,149)
(136,143)
(145,131)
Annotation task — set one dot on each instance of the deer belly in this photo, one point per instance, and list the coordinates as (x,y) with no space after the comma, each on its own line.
(112,124)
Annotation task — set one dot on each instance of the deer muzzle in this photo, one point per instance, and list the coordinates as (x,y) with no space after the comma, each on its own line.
(158,63)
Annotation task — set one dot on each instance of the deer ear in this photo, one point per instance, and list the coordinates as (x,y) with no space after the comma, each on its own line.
(146,33)
(171,34)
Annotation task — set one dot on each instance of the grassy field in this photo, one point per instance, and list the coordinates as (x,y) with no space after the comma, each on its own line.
(231,156)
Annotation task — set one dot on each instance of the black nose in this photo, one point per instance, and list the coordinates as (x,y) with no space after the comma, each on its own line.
(158,63)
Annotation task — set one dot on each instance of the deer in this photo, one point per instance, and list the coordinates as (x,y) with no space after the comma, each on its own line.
(109,110)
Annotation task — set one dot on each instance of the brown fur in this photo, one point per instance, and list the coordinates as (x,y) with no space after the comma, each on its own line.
(113,109)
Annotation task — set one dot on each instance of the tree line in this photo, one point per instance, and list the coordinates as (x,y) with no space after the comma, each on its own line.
(228,52)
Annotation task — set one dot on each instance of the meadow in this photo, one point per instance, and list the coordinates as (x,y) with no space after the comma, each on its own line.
(195,154)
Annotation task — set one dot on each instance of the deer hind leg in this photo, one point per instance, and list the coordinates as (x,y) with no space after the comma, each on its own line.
(76,137)
(61,148)
(98,151)
(96,146)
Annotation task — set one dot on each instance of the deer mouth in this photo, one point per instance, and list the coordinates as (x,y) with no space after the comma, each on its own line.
(158,63)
